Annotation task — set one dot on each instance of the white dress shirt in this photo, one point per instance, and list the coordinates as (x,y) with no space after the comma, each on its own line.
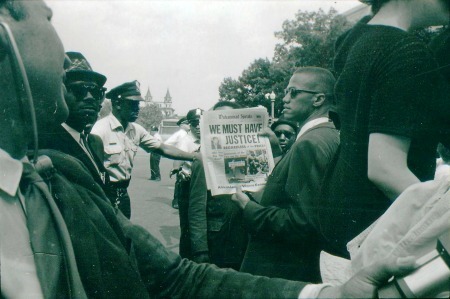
(18,276)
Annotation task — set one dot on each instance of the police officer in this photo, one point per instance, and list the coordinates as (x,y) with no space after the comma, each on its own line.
(121,138)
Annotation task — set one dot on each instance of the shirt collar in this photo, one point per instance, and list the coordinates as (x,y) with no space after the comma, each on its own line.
(194,138)
(114,122)
(311,124)
(10,173)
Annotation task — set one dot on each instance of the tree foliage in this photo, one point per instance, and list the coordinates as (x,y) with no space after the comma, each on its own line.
(149,116)
(308,40)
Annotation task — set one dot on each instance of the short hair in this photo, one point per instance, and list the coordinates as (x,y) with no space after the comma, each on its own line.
(282,121)
(233,105)
(324,79)
(15,8)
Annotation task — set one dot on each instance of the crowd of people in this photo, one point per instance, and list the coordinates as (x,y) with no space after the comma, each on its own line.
(65,229)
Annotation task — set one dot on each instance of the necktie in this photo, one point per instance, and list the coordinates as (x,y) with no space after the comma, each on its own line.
(85,144)
(49,237)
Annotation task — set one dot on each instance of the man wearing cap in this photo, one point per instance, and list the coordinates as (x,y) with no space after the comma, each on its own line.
(175,138)
(84,95)
(155,174)
(286,132)
(190,143)
(121,138)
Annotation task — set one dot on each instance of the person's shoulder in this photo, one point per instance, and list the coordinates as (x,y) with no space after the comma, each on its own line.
(139,129)
(321,134)
(136,125)
(100,124)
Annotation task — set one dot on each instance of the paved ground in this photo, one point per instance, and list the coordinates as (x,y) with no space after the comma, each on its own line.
(151,201)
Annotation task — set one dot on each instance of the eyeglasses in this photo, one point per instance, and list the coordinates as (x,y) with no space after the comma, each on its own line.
(295,92)
(80,91)
(286,134)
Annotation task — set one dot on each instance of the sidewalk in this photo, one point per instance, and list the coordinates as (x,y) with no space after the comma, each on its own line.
(151,201)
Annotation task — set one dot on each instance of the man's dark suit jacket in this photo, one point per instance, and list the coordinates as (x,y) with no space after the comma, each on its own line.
(84,227)
(283,243)
(61,140)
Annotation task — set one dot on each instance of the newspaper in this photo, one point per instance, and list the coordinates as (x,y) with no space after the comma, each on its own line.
(232,152)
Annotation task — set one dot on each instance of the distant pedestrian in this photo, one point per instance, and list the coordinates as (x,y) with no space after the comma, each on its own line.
(155,174)
(174,140)
(190,143)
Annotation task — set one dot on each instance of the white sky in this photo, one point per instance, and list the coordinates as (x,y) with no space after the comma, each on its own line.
(186,46)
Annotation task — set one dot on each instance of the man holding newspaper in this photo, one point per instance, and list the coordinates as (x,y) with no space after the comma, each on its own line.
(282,242)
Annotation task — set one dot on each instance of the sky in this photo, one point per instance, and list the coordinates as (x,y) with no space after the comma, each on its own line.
(188,47)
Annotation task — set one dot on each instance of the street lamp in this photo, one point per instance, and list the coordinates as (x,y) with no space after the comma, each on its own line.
(271,96)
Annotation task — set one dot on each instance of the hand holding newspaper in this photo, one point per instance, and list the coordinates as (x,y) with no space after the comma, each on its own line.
(233,154)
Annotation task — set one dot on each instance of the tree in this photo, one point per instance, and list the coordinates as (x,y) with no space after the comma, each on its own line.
(149,116)
(308,40)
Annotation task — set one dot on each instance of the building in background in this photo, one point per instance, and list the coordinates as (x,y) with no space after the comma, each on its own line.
(165,106)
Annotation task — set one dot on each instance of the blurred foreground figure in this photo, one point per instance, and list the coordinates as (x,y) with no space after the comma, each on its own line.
(59,235)
(391,113)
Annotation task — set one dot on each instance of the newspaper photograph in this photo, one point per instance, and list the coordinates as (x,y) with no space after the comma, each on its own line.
(232,152)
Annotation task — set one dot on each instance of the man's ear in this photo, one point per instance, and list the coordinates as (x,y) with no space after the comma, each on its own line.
(116,104)
(319,99)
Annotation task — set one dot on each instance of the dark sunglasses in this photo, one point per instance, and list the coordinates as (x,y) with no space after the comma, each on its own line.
(194,123)
(81,90)
(295,92)
(286,134)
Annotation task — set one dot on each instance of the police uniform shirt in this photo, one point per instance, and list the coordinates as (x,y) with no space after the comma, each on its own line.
(121,145)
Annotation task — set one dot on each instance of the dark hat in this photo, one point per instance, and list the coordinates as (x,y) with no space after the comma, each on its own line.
(181,120)
(78,69)
(154,128)
(282,121)
(126,91)
(194,114)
